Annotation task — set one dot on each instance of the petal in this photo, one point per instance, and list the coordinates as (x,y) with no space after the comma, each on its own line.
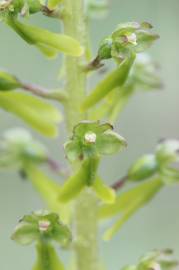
(73,151)
(110,143)
(84,127)
(25,233)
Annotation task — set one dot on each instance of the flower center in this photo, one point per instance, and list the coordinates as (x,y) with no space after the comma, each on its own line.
(44,225)
(90,137)
(132,38)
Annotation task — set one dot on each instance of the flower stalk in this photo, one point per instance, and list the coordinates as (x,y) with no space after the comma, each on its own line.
(85,206)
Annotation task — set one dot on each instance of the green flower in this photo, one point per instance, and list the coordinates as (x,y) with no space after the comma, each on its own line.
(128,38)
(89,142)
(41,226)
(93,139)
(132,37)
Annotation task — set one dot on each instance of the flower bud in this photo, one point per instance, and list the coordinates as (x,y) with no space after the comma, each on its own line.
(104,51)
(34,6)
(143,168)
(168,151)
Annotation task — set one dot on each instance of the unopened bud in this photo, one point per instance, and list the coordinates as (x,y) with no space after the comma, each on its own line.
(143,168)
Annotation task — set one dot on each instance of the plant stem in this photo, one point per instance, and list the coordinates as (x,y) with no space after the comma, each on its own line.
(86,246)
(85,207)
(75,26)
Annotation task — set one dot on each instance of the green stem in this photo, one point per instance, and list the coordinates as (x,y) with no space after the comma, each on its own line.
(75,26)
(86,247)
(47,258)
(85,207)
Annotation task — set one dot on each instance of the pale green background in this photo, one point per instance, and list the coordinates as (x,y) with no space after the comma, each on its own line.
(148,118)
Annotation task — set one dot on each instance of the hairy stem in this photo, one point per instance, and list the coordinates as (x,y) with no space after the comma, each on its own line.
(85,207)
(74,25)
(86,246)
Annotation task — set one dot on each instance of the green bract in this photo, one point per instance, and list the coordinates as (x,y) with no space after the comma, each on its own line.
(17,147)
(91,139)
(41,226)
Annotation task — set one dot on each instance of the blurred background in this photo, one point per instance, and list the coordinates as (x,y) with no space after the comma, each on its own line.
(146,119)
